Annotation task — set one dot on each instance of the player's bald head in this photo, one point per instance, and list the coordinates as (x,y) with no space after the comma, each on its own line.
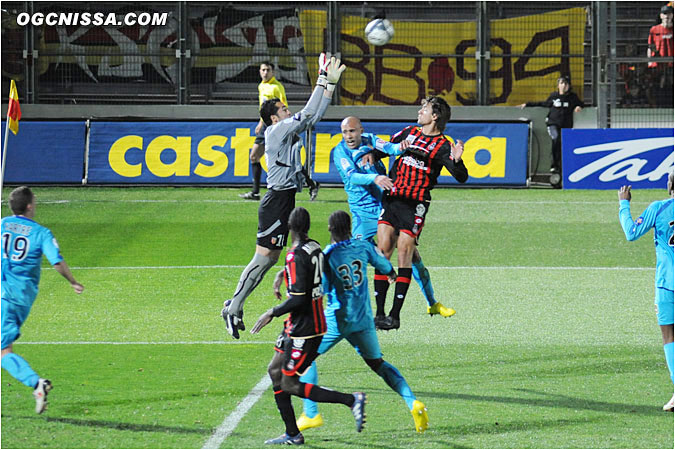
(351,122)
(351,131)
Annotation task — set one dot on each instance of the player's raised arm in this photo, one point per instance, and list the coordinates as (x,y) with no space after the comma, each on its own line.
(454,162)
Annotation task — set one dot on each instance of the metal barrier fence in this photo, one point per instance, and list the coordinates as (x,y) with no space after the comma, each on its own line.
(471,53)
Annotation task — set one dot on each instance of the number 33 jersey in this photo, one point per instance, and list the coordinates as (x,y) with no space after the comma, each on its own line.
(346,283)
(302,272)
(24,241)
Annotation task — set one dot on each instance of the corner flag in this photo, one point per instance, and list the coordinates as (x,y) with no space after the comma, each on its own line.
(13,110)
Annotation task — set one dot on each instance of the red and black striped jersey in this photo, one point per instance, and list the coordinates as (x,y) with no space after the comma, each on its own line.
(302,273)
(416,171)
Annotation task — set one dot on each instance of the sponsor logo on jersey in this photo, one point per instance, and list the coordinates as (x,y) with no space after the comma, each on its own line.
(416,163)
(345,163)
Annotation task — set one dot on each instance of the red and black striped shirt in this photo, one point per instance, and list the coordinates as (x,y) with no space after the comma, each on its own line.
(416,171)
(302,273)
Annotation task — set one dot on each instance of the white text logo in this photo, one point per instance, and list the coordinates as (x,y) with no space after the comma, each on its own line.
(622,161)
(96,19)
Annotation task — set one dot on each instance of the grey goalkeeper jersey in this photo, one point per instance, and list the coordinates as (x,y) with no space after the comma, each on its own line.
(283,144)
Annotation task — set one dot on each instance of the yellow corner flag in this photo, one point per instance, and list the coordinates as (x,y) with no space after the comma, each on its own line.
(13,110)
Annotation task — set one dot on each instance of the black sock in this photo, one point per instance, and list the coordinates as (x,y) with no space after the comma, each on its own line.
(322,395)
(381,286)
(402,285)
(286,409)
(256,171)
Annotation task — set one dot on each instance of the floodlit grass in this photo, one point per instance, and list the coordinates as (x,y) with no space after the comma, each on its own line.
(554,345)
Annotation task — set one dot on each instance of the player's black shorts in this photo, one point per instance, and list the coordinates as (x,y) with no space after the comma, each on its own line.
(260,137)
(404,215)
(298,353)
(275,207)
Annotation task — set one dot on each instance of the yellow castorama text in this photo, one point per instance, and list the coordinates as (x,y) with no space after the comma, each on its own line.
(215,157)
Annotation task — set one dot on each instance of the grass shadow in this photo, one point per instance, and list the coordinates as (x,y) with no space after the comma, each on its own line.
(136,427)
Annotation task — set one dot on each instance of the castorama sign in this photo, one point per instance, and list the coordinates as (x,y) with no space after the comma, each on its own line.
(611,158)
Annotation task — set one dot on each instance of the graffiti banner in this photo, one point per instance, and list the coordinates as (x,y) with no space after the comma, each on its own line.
(403,71)
(226,44)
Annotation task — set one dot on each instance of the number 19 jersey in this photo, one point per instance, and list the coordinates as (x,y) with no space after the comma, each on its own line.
(24,241)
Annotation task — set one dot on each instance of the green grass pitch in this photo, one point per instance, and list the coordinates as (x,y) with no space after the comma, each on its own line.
(555,343)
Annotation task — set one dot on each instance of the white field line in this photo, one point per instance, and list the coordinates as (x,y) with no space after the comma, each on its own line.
(147,343)
(428,267)
(230,423)
(454,202)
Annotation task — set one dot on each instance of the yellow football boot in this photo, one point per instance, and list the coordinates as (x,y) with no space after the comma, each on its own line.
(305,422)
(438,308)
(419,413)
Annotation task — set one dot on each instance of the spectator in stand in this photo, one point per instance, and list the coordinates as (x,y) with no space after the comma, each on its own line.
(635,96)
(661,46)
(562,103)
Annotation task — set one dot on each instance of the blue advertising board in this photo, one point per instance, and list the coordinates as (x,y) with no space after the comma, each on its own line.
(611,158)
(170,152)
(494,153)
(45,152)
(218,152)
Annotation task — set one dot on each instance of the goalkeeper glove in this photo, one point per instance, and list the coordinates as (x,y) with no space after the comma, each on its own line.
(323,65)
(334,71)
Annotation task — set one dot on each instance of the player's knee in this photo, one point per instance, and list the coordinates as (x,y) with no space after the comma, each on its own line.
(290,385)
(274,372)
(7,350)
(374,364)
(667,334)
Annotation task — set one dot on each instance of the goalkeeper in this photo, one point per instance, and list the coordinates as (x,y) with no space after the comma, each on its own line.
(284,179)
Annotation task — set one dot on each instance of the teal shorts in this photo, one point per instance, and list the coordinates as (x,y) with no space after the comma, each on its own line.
(664,306)
(364,224)
(364,341)
(13,316)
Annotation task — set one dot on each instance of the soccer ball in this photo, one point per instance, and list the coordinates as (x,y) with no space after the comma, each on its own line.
(379,31)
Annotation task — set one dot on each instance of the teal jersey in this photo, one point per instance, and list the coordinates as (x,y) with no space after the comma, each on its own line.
(659,216)
(24,241)
(345,283)
(358,177)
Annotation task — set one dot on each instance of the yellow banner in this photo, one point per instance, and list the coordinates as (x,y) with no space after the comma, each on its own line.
(540,39)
